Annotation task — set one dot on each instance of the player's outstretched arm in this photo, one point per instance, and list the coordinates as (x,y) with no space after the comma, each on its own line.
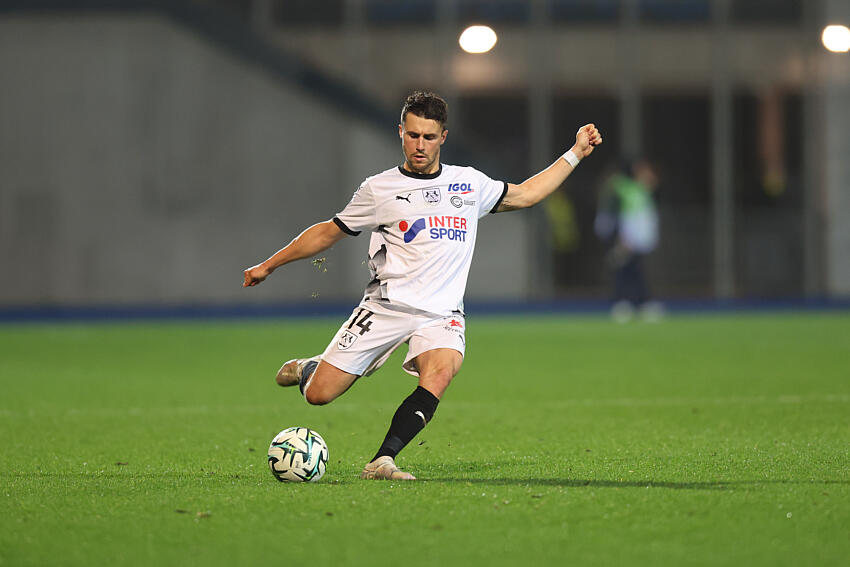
(536,188)
(315,239)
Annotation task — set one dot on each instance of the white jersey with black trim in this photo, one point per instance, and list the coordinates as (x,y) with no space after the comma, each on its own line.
(423,232)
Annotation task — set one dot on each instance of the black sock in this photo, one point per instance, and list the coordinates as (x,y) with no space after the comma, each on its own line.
(306,372)
(410,418)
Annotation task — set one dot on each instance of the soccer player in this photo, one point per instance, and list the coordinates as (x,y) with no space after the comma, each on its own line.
(627,221)
(423,217)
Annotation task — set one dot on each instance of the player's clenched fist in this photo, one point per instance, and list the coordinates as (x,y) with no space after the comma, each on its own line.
(587,138)
(255,275)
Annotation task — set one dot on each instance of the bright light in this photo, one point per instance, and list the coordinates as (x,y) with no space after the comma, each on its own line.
(477,39)
(836,38)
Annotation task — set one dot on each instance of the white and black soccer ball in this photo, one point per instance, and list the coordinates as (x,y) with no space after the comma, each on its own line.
(298,454)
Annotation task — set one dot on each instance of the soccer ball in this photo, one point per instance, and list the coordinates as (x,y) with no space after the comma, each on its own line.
(298,454)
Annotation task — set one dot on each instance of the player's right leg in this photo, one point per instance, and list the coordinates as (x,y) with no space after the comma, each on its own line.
(319,381)
(292,370)
(326,384)
(363,343)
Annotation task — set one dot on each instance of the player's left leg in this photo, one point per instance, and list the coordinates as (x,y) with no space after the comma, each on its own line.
(436,369)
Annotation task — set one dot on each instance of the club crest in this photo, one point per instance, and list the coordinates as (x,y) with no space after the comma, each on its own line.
(346,340)
(431,195)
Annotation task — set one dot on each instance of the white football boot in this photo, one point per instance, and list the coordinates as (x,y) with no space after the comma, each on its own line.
(384,468)
(290,373)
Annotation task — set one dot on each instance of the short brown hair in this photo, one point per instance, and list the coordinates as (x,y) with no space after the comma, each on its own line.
(426,105)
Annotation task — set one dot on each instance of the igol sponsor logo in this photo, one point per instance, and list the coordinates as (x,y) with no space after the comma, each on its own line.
(461,188)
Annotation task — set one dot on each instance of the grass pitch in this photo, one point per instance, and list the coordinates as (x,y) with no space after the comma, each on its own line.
(701,440)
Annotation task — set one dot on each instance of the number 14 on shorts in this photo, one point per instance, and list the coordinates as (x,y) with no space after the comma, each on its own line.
(361,321)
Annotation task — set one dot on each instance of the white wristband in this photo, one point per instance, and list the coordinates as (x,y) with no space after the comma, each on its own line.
(571,158)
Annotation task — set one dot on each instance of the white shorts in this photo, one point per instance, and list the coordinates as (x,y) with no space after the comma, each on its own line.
(375,329)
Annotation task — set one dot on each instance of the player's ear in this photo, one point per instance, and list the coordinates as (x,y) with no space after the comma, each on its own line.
(401,131)
(443,136)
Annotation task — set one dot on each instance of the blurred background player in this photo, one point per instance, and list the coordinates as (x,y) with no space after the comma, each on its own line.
(627,220)
(423,219)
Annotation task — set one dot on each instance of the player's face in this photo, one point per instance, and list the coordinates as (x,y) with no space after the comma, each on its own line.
(421,139)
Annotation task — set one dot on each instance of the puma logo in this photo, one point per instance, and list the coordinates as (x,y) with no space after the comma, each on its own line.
(400,198)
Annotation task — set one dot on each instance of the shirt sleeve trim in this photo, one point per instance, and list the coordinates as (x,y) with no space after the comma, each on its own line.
(499,202)
(345,229)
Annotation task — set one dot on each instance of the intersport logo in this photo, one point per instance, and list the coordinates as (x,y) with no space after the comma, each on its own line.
(410,231)
(440,227)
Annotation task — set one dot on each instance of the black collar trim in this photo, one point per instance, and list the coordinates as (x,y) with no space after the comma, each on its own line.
(415,175)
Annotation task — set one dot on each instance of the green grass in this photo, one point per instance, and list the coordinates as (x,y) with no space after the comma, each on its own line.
(711,440)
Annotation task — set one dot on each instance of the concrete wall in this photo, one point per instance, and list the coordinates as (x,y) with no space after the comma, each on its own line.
(836,113)
(140,163)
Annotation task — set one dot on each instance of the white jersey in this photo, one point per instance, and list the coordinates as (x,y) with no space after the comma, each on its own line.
(423,232)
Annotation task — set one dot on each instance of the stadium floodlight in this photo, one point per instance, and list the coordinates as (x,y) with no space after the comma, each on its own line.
(478,39)
(836,38)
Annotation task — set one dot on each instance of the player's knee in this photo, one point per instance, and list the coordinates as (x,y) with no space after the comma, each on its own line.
(443,375)
(437,380)
(317,396)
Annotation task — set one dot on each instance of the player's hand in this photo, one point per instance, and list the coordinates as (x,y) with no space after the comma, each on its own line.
(255,275)
(587,138)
